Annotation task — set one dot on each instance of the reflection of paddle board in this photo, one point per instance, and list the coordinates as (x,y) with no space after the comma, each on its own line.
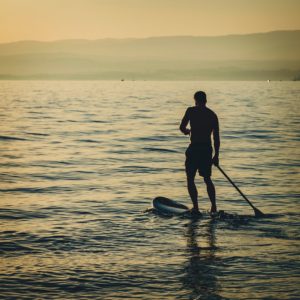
(168,206)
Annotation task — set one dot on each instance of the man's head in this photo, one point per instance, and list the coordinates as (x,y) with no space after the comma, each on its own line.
(200,98)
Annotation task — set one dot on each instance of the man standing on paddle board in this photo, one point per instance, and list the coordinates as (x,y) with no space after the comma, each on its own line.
(203,123)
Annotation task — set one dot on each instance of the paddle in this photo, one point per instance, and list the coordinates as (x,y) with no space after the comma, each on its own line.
(257,212)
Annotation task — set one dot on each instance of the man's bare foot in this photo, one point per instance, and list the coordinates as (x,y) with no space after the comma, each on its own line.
(213,209)
(195,212)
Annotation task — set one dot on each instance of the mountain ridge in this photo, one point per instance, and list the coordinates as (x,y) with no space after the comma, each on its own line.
(158,37)
(233,57)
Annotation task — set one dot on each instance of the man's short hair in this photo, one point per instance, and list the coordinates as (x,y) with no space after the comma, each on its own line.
(200,97)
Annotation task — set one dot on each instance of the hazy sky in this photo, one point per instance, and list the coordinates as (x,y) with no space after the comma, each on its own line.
(92,19)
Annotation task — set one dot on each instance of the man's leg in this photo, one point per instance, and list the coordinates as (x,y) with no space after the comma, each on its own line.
(192,188)
(191,169)
(211,193)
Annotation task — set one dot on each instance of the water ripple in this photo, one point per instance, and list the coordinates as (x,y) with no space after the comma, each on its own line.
(82,161)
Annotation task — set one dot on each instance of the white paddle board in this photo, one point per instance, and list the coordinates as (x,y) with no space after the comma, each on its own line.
(168,206)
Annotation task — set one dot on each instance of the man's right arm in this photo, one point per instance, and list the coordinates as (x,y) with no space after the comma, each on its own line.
(216,135)
(184,122)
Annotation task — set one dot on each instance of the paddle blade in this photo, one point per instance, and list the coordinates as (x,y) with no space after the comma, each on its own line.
(258,213)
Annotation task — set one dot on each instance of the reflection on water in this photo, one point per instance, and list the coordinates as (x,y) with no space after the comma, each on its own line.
(81,160)
(201,270)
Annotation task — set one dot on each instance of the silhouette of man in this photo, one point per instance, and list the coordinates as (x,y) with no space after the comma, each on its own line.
(203,122)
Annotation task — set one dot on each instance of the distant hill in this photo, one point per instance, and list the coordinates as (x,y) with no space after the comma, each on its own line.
(260,56)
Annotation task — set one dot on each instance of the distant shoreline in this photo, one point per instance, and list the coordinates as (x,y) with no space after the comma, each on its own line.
(150,80)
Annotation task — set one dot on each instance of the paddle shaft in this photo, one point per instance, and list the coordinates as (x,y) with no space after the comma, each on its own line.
(236,187)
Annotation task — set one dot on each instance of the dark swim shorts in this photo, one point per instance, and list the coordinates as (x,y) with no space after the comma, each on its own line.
(198,157)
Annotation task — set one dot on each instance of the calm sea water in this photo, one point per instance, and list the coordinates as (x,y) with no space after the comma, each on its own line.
(81,162)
